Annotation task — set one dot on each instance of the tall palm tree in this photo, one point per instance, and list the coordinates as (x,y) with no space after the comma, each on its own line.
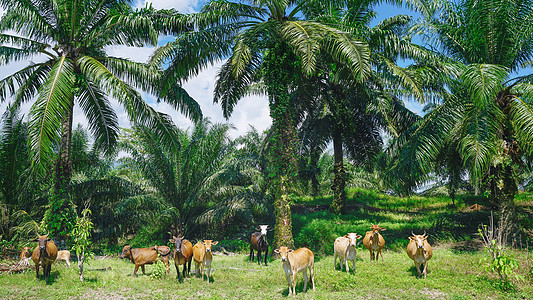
(488,110)
(70,38)
(266,43)
(353,114)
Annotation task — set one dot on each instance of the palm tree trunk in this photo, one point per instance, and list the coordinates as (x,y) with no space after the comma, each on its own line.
(63,171)
(339,193)
(278,72)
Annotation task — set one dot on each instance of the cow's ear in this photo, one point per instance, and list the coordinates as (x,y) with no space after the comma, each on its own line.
(411,238)
(346,236)
(48,240)
(36,240)
(381,228)
(276,250)
(214,243)
(290,251)
(359,236)
(172,240)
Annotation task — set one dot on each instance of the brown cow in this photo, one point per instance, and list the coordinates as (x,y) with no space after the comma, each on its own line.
(139,256)
(164,255)
(374,242)
(259,243)
(295,262)
(64,255)
(44,255)
(420,251)
(182,254)
(203,257)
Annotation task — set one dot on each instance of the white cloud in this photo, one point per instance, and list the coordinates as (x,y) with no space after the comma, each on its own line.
(183,6)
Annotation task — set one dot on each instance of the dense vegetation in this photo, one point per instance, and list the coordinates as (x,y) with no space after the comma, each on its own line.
(343,151)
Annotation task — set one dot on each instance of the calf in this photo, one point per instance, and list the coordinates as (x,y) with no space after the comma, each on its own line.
(259,243)
(44,255)
(295,262)
(374,242)
(25,256)
(182,254)
(64,255)
(344,248)
(139,256)
(203,257)
(164,254)
(420,252)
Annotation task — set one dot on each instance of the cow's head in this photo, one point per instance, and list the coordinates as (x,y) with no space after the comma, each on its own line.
(177,241)
(283,253)
(126,252)
(25,252)
(208,244)
(376,228)
(418,239)
(42,240)
(353,238)
(263,229)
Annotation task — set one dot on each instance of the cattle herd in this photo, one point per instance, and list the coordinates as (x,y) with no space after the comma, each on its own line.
(293,261)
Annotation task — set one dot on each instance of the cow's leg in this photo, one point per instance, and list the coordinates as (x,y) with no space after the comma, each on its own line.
(289,281)
(353,263)
(196,269)
(266,255)
(37,270)
(417,266)
(208,271)
(188,267)
(259,258)
(346,263)
(335,261)
(380,252)
(304,272)
(312,273)
(251,253)
(135,271)
(142,267)
(178,270)
(68,262)
(425,268)
(294,273)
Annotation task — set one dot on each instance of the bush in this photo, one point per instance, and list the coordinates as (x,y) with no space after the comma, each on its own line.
(158,270)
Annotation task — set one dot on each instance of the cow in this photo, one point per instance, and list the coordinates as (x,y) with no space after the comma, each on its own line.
(344,248)
(25,257)
(64,255)
(294,262)
(374,242)
(164,255)
(182,254)
(259,243)
(139,256)
(203,257)
(419,250)
(44,255)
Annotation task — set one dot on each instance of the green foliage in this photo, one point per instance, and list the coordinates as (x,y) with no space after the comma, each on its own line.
(81,233)
(59,218)
(158,270)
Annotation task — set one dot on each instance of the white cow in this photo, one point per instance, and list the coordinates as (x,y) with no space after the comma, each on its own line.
(344,248)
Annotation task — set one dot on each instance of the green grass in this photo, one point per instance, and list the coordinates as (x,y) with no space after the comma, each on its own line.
(452,275)
(456,270)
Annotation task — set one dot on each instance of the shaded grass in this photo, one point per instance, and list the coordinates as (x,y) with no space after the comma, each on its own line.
(451,276)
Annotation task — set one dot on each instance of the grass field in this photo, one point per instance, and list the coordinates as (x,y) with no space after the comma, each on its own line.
(452,275)
(456,270)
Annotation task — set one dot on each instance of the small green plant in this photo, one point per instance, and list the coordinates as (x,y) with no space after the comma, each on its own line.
(158,270)
(82,238)
(501,262)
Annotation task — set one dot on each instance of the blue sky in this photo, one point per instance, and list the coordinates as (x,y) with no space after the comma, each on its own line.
(251,111)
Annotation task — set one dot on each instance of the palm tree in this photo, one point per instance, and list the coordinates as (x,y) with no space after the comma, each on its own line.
(353,114)
(70,38)
(201,183)
(488,110)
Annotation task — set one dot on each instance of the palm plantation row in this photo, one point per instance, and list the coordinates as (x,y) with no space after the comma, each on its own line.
(330,74)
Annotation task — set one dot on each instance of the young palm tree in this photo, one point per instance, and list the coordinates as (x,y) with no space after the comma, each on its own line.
(70,38)
(489,109)
(265,42)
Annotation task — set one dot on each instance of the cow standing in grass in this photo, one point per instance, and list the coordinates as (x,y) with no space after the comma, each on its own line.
(295,262)
(44,255)
(420,251)
(203,256)
(344,248)
(182,254)
(259,243)
(139,256)
(374,242)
